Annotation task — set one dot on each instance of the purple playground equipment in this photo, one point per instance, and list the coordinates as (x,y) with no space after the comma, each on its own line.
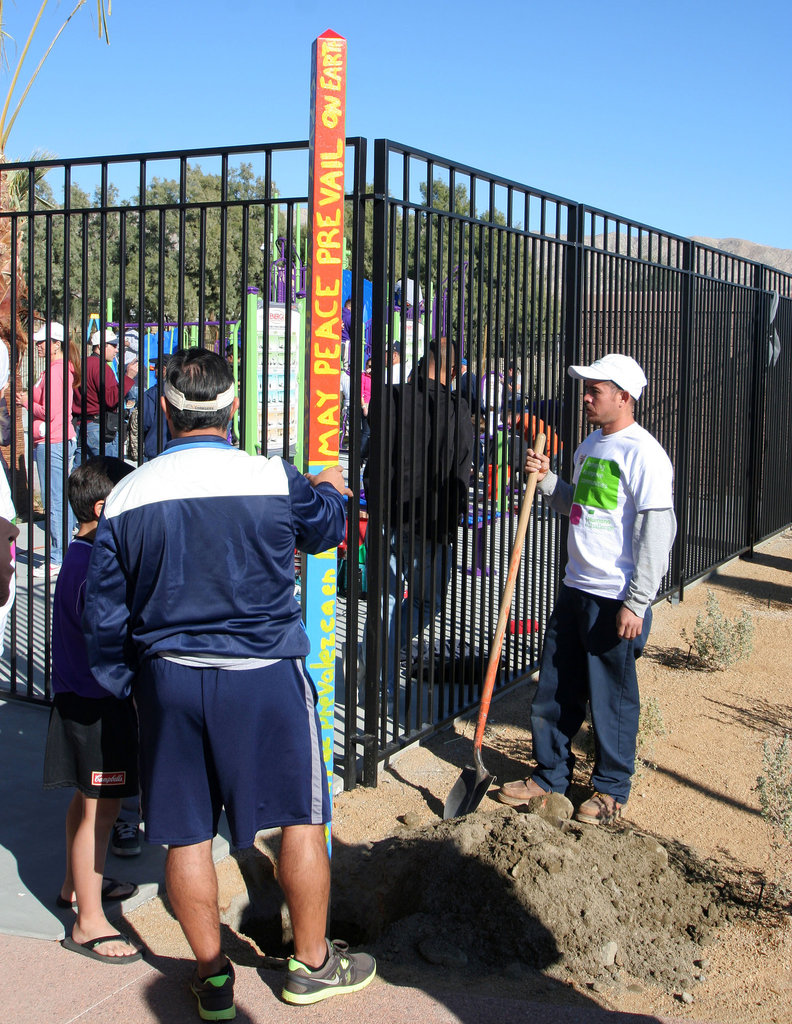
(458,279)
(279,268)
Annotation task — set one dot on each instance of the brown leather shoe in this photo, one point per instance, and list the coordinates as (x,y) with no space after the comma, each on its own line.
(517,794)
(599,809)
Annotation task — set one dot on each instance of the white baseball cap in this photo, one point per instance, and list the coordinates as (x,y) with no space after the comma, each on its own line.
(109,337)
(622,370)
(53,330)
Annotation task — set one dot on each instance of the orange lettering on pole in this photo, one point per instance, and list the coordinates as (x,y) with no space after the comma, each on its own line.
(326,198)
(323,351)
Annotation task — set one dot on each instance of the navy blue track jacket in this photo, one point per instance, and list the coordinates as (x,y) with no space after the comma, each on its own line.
(194,554)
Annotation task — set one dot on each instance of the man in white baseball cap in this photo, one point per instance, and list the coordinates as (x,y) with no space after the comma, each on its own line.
(110,340)
(621,513)
(99,407)
(619,369)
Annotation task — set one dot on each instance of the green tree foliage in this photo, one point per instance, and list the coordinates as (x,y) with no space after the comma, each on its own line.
(188,255)
(483,275)
(491,291)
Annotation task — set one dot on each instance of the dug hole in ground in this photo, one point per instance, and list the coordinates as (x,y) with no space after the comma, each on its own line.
(679,909)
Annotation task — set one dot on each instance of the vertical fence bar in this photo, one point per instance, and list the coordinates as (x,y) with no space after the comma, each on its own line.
(376,599)
(354,479)
(758,411)
(684,439)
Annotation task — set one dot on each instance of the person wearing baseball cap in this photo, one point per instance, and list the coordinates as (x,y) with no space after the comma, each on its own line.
(622,526)
(49,418)
(98,408)
(110,340)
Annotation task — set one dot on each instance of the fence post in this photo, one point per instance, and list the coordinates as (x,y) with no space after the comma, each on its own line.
(573,269)
(570,406)
(377,596)
(683,433)
(756,419)
(353,510)
(249,431)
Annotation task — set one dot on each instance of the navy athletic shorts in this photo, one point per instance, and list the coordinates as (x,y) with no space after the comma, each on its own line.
(248,741)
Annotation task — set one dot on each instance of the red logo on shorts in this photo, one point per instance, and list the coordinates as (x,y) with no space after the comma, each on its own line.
(108,778)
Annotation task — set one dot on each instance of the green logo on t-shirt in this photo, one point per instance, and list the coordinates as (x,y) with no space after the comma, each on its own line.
(598,483)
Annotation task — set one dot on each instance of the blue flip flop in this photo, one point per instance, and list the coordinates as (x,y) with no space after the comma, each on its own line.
(89,949)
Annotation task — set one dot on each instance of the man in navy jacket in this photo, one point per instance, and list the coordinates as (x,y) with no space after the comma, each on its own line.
(190,605)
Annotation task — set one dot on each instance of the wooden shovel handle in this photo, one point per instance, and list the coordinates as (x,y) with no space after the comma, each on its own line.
(505,605)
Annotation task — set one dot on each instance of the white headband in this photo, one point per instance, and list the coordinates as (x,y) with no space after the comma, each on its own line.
(178,401)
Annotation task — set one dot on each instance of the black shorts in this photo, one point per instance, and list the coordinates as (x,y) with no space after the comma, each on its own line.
(92,745)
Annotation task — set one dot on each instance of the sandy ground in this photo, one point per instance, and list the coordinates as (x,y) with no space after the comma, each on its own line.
(695,796)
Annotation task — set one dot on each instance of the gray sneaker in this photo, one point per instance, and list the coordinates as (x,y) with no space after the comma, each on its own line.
(215,994)
(344,972)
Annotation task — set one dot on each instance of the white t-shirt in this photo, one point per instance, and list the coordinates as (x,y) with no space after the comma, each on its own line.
(616,476)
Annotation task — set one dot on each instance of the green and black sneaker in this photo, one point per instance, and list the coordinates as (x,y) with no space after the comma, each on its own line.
(215,994)
(342,973)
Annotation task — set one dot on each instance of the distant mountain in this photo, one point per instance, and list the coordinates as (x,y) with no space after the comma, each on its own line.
(781,259)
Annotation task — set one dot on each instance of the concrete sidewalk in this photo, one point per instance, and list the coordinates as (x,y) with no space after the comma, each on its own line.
(32,835)
(42,983)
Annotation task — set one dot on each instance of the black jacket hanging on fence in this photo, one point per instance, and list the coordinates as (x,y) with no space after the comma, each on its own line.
(428,459)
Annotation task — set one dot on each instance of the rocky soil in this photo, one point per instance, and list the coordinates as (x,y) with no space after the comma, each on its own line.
(510,893)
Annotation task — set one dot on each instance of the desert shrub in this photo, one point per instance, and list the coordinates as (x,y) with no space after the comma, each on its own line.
(774,786)
(650,726)
(719,642)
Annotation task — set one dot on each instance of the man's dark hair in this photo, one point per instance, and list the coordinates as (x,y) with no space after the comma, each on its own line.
(443,354)
(92,481)
(200,375)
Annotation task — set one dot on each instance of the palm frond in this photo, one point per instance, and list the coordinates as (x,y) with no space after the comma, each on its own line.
(102,18)
(18,184)
(6,123)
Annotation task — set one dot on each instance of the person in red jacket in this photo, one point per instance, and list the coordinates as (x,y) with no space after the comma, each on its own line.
(98,407)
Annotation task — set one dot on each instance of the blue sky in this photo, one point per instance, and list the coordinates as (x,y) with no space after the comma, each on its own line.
(675,113)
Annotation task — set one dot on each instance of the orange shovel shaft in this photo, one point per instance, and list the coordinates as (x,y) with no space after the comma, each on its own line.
(505,605)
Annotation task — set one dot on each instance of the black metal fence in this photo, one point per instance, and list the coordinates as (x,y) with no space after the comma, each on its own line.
(200,248)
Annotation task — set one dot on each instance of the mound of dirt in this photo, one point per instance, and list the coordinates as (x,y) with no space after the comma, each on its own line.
(506,892)
(507,903)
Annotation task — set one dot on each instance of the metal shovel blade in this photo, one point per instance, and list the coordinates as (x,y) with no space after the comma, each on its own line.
(468,792)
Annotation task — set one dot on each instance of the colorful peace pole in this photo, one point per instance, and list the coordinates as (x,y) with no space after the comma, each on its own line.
(323,352)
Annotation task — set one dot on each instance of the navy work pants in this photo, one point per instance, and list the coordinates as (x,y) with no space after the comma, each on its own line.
(584,660)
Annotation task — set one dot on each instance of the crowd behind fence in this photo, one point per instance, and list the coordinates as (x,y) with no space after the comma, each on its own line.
(200,248)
